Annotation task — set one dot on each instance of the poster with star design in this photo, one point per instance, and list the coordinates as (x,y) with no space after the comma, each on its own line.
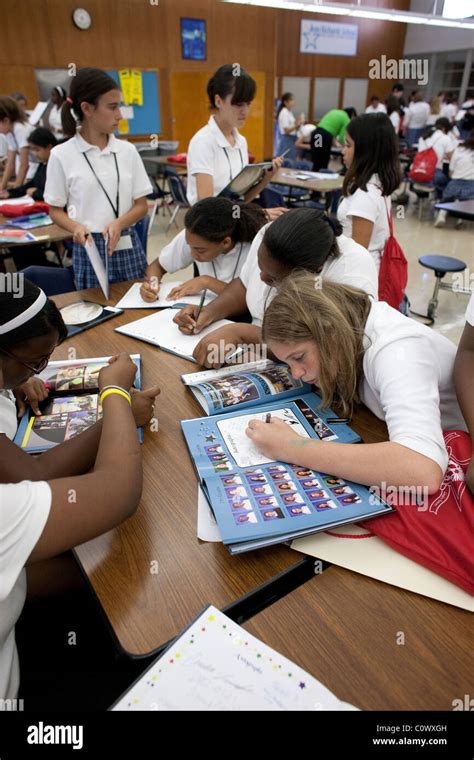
(216,665)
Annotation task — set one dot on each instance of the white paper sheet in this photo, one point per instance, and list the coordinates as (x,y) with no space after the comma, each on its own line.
(101,270)
(241,447)
(160,330)
(372,557)
(216,665)
(37,112)
(133,300)
(207,528)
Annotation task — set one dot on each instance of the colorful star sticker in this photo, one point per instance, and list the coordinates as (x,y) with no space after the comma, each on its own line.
(302,685)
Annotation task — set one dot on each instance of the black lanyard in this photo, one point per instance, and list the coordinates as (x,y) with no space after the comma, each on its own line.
(235,268)
(230,165)
(115,208)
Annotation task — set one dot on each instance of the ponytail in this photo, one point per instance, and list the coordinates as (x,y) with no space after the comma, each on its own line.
(87,86)
(303,238)
(214,219)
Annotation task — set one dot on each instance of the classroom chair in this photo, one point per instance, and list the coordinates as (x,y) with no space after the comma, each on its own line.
(269,197)
(53,280)
(144,225)
(178,193)
(441,265)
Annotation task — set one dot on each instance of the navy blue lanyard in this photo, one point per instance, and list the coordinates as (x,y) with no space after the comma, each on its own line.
(115,208)
(230,165)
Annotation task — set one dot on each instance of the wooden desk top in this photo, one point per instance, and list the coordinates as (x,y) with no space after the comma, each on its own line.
(146,609)
(53,232)
(285,176)
(342,628)
(163,161)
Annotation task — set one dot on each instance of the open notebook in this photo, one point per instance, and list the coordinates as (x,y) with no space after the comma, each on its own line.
(160,330)
(216,665)
(133,300)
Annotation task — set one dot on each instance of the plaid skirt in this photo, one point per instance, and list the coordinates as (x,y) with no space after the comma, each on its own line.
(129,264)
(459,190)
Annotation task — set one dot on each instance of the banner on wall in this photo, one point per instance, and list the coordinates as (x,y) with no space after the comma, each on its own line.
(327,38)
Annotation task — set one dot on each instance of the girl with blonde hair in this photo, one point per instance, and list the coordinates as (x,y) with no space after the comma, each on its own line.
(355,349)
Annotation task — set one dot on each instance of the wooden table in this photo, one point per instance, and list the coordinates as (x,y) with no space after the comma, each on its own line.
(54,233)
(146,608)
(343,629)
(286,177)
(460,209)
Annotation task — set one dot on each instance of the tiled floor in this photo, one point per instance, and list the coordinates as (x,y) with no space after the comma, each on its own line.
(416,238)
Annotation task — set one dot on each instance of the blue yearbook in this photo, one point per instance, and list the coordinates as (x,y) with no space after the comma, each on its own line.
(256,501)
(71,407)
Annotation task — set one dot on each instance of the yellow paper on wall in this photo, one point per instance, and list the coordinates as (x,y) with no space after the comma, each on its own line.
(123,128)
(136,87)
(125,85)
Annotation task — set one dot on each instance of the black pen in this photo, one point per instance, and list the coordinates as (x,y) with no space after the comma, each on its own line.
(201,303)
(335,420)
(268,417)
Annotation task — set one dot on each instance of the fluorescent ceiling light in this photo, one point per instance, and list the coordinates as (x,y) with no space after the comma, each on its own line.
(361,11)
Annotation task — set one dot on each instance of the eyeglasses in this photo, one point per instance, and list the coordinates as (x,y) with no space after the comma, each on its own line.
(36,370)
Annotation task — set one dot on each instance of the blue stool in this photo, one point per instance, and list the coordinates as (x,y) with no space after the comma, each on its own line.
(441,265)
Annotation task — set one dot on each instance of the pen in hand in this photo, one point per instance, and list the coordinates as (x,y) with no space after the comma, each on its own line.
(268,417)
(201,304)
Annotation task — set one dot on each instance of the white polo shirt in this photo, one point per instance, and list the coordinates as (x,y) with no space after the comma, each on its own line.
(372,205)
(70,181)
(286,120)
(416,115)
(225,267)
(408,381)
(55,123)
(395,119)
(470,311)
(18,139)
(461,165)
(306,131)
(209,152)
(354,266)
(24,510)
(380,108)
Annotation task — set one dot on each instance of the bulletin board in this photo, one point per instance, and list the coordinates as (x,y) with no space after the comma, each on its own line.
(146,118)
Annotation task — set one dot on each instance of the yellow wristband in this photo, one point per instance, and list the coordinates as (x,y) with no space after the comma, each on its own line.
(117,391)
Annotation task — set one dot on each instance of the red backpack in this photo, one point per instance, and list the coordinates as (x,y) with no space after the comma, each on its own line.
(423,167)
(393,274)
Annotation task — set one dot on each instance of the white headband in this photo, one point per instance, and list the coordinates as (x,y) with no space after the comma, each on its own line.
(25,316)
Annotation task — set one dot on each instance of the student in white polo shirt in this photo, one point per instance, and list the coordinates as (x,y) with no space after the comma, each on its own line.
(288,125)
(463,374)
(36,518)
(301,239)
(356,349)
(217,237)
(101,181)
(218,152)
(16,128)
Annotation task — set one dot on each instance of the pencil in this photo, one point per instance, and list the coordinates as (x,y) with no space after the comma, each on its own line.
(201,303)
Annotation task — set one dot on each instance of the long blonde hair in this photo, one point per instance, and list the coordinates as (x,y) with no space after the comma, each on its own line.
(333,316)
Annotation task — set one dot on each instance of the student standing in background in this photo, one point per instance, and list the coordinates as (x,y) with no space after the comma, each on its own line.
(288,126)
(332,125)
(58,97)
(375,105)
(14,125)
(100,179)
(370,154)
(415,119)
